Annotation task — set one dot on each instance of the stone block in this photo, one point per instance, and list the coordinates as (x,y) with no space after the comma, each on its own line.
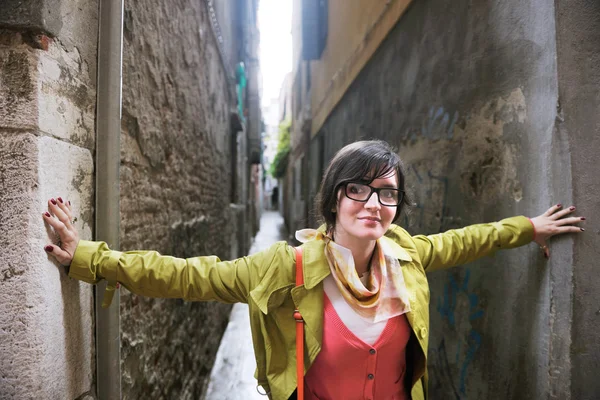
(34,15)
(46,319)
(44,90)
(66,100)
(18,88)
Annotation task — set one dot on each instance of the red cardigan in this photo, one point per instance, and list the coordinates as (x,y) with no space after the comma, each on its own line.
(348,368)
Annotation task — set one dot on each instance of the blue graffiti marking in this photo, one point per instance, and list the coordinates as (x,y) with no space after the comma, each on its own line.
(474,344)
(438,124)
(446,306)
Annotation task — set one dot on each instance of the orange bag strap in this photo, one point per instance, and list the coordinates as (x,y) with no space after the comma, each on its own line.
(299,330)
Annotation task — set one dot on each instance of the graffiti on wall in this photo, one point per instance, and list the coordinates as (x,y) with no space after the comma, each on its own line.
(438,124)
(431,211)
(458,307)
(428,176)
(461,167)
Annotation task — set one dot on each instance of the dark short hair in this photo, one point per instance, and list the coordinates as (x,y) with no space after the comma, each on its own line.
(362,161)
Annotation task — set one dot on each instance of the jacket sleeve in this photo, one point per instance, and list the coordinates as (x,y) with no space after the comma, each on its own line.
(149,273)
(460,246)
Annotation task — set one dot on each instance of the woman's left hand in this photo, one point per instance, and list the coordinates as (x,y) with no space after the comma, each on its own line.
(552,222)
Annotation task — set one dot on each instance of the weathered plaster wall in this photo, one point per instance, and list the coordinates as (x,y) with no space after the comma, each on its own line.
(175,189)
(578,43)
(47,104)
(468,92)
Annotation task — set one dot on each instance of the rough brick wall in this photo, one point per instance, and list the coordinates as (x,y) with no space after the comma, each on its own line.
(176,192)
(175,189)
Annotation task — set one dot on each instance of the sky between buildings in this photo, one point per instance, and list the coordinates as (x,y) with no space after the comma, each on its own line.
(275,25)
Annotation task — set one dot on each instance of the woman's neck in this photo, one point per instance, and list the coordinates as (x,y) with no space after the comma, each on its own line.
(362,251)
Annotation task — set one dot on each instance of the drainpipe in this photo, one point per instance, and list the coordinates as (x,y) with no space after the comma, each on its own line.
(108,131)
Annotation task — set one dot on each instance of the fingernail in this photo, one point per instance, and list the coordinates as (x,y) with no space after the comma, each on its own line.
(48,249)
(47,214)
(559,205)
(69,202)
(60,199)
(582,230)
(572,208)
(53,201)
(545,256)
(583,218)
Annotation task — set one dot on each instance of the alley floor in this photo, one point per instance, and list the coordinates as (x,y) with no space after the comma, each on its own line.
(232,377)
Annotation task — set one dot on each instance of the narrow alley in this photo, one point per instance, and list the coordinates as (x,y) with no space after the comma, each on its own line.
(232,377)
(141,141)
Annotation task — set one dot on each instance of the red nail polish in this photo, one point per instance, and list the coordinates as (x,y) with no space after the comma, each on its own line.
(53,201)
(583,218)
(559,205)
(48,249)
(69,202)
(47,214)
(572,208)
(60,199)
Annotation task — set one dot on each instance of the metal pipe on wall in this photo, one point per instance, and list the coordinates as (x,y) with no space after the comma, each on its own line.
(108,132)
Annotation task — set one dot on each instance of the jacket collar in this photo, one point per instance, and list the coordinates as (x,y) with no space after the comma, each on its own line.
(275,285)
(269,294)
(394,250)
(314,266)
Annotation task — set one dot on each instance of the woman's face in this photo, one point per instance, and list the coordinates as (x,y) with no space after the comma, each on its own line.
(358,221)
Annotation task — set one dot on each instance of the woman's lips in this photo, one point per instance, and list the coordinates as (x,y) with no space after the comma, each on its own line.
(370,219)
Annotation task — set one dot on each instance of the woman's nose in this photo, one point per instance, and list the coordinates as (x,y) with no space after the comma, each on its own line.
(373,201)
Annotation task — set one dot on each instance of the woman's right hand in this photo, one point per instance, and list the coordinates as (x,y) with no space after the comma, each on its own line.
(61,219)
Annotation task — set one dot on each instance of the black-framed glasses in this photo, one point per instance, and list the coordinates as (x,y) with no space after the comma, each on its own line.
(361,192)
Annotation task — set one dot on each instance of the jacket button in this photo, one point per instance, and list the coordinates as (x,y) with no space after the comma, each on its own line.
(423,332)
(372,351)
(370,376)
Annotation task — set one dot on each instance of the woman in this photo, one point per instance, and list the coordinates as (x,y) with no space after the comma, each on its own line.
(365,295)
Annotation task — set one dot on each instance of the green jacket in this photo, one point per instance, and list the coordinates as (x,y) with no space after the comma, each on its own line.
(266,282)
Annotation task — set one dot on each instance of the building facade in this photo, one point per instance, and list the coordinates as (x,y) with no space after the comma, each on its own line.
(490,106)
(189,161)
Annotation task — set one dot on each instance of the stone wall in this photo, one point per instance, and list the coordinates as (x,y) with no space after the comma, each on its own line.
(179,152)
(175,189)
(47,106)
(468,92)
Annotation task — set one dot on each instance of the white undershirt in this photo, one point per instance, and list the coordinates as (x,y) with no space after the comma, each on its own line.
(362,328)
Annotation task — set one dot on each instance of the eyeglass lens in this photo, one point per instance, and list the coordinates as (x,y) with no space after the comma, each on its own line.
(360,192)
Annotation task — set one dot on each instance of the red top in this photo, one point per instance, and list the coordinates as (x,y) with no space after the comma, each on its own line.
(350,369)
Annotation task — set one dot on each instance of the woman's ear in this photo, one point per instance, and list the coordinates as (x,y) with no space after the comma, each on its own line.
(337,201)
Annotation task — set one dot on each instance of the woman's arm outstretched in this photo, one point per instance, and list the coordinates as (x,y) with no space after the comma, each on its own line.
(152,274)
(460,246)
